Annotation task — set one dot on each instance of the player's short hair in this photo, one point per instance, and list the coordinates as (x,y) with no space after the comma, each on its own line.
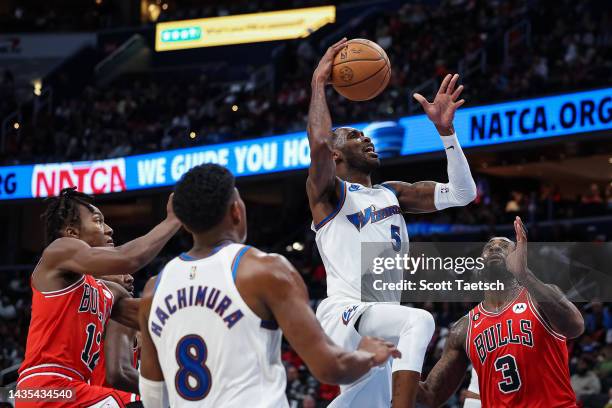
(63,211)
(201,196)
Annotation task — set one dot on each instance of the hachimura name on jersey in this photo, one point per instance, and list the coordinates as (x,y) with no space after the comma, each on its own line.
(195,296)
(214,351)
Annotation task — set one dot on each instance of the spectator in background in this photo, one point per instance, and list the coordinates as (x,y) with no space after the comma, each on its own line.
(593,195)
(585,382)
(309,402)
(609,404)
(609,196)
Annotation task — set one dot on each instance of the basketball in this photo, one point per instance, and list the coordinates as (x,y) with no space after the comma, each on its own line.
(361,70)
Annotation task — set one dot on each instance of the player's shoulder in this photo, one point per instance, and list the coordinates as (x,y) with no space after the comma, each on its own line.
(62,247)
(458,332)
(267,267)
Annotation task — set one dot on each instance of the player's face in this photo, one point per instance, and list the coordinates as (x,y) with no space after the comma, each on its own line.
(93,229)
(127,281)
(358,151)
(494,255)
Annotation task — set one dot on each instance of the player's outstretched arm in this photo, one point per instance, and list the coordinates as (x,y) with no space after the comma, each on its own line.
(428,196)
(284,293)
(151,382)
(447,375)
(120,373)
(74,255)
(321,183)
(561,314)
(125,307)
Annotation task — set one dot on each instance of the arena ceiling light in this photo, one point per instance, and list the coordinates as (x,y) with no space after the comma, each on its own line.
(242,28)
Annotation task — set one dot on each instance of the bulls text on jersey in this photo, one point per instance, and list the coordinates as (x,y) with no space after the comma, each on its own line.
(203,296)
(500,335)
(89,301)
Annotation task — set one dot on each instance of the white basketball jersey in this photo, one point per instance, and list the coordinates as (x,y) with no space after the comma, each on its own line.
(363,215)
(213,350)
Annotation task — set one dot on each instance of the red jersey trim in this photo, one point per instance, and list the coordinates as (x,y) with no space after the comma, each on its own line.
(487,313)
(546,325)
(66,290)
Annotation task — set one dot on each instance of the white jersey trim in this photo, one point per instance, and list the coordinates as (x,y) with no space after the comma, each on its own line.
(68,289)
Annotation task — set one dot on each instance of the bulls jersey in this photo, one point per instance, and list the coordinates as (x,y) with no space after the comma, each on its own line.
(362,215)
(66,329)
(520,360)
(214,351)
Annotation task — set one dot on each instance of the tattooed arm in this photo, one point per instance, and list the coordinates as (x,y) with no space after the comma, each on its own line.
(448,373)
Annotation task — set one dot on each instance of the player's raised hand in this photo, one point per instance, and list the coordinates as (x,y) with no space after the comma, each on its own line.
(442,110)
(170,216)
(322,73)
(379,348)
(516,261)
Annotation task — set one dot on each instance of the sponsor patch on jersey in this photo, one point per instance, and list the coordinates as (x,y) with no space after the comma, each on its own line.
(107,293)
(354,187)
(348,314)
(476,316)
(519,308)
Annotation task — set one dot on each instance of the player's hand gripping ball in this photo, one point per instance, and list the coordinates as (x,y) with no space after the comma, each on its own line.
(361,70)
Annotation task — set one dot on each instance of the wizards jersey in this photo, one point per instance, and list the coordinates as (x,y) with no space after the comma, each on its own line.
(520,360)
(363,215)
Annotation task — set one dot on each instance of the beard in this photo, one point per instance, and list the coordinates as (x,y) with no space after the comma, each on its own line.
(496,270)
(361,164)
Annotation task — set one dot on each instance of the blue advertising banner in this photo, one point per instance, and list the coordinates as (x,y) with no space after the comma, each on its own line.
(517,121)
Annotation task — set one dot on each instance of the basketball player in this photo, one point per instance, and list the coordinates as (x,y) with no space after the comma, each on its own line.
(210,320)
(118,348)
(70,307)
(347,210)
(515,338)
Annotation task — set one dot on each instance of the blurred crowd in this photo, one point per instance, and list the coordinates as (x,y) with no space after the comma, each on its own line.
(555,52)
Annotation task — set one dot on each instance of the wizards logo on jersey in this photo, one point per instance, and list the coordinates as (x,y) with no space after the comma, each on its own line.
(362,218)
(348,314)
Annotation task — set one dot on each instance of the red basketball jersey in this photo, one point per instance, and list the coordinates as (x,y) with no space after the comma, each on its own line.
(67,328)
(520,360)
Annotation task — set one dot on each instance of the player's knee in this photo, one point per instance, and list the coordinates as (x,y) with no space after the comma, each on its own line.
(420,323)
(426,323)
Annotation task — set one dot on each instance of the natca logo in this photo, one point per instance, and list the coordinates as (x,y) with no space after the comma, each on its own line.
(99,177)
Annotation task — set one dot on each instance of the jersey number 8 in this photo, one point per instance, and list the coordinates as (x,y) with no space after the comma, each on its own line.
(193,379)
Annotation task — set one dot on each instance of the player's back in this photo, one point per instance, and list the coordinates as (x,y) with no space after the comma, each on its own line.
(362,215)
(66,329)
(520,360)
(214,351)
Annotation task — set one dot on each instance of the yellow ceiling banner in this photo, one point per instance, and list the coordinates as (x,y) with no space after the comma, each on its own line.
(242,28)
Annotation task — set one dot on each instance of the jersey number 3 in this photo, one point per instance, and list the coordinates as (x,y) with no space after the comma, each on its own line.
(511,380)
(193,379)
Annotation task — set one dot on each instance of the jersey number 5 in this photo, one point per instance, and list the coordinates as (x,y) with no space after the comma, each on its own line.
(396,237)
(193,379)
(511,381)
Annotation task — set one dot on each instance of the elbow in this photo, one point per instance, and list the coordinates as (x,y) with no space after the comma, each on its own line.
(468,195)
(576,326)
